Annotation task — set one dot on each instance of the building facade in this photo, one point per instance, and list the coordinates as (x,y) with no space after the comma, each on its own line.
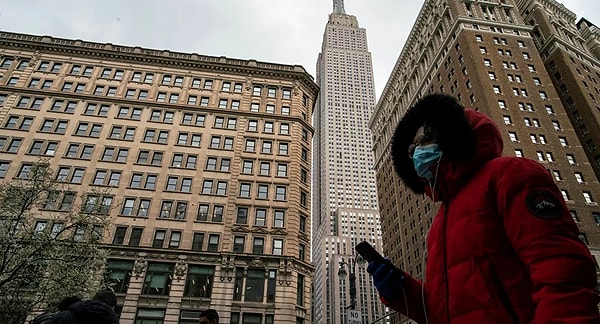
(568,55)
(486,54)
(205,162)
(344,207)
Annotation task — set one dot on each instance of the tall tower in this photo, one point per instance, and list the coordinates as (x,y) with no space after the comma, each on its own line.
(344,202)
(488,56)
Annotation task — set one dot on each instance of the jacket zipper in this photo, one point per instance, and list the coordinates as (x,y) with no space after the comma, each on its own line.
(446,262)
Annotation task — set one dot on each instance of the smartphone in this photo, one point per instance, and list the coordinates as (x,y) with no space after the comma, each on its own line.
(368,252)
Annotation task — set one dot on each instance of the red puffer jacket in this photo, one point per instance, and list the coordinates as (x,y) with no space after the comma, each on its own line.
(503,247)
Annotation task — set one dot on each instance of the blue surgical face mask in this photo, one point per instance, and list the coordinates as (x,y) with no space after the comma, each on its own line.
(424,157)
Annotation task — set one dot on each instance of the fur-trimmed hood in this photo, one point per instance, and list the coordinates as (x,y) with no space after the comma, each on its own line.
(466,137)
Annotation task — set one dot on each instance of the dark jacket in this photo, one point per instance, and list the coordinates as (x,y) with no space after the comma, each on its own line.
(87,312)
(502,247)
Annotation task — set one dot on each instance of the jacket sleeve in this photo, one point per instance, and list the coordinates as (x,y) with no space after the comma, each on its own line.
(545,237)
(411,299)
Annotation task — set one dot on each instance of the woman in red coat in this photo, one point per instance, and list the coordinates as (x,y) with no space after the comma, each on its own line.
(503,247)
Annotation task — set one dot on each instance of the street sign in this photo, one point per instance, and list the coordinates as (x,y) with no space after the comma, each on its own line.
(354,317)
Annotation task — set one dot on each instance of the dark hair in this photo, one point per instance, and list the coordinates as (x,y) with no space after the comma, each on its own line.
(210,314)
(107,296)
(64,304)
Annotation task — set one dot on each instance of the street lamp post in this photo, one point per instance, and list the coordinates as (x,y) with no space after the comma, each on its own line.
(342,274)
(352,278)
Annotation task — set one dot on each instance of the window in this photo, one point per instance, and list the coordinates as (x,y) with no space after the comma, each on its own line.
(256,90)
(283,149)
(197,241)
(237,87)
(258,245)
(279,218)
(556,125)
(280,193)
(175,239)
(218,211)
(282,170)
(149,316)
(242,215)
(513,136)
(136,235)
(556,175)
(202,213)
(199,280)
(166,209)
(302,223)
(507,120)
(158,279)
(263,191)
(238,244)
(266,147)
(245,190)
(3,168)
(583,238)
(587,196)
(261,217)
(118,273)
(47,84)
(207,187)
(250,145)
(213,243)
(221,188)
(300,290)
(303,176)
(265,168)
(579,177)
(215,142)
(277,246)
(225,164)
(208,84)
(56,67)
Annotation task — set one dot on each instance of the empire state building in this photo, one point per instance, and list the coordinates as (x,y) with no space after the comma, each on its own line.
(345,200)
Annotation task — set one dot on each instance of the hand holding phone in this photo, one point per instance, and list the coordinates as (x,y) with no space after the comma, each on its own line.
(386,277)
(368,252)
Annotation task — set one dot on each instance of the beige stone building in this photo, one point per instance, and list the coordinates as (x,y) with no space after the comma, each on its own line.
(205,162)
(487,55)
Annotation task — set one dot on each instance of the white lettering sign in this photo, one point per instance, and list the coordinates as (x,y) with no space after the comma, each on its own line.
(354,317)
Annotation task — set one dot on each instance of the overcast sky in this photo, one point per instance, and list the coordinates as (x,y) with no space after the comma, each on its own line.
(278,31)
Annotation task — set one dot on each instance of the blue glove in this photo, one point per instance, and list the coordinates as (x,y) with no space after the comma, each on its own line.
(387,279)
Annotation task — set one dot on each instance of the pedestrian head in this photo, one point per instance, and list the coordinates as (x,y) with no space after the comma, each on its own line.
(209,316)
(106,296)
(435,126)
(64,304)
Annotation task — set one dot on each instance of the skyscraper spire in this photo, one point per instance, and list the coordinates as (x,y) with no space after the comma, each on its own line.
(338,7)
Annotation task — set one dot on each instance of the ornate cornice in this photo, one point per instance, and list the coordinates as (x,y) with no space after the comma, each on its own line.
(164,58)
